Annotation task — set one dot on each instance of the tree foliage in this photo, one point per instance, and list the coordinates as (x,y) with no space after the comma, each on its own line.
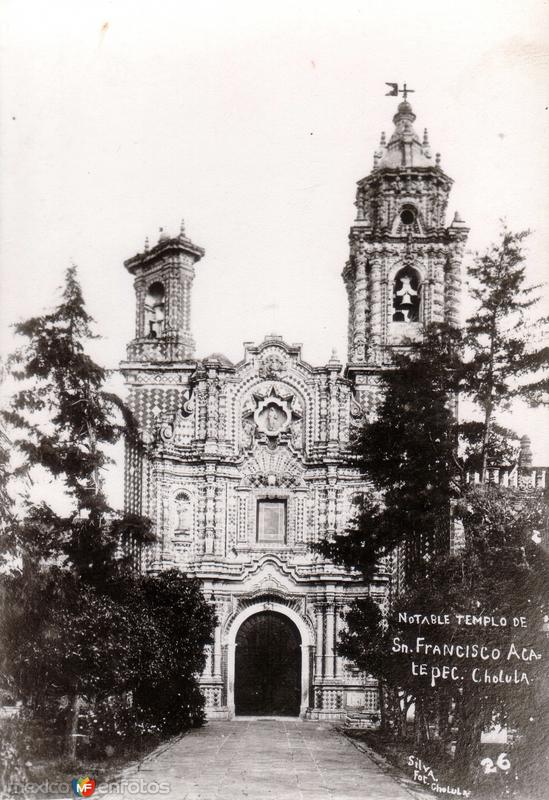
(79,623)
(409,454)
(501,572)
(505,362)
(418,459)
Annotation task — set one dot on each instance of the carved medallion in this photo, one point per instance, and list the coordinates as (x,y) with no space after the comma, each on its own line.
(270,367)
(271,417)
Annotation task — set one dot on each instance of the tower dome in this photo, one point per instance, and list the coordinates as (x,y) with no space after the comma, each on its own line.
(405,148)
(404,109)
(404,268)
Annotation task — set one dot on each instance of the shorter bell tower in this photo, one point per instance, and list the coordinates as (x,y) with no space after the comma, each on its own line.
(404,270)
(163,278)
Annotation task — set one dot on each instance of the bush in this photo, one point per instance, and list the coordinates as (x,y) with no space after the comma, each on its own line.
(16,747)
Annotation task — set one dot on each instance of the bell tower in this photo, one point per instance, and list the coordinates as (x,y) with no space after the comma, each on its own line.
(163,278)
(404,270)
(160,359)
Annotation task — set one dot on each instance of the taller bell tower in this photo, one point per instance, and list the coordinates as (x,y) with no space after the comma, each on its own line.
(404,269)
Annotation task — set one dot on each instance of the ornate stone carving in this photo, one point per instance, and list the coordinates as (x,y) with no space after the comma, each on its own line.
(175,430)
(272,468)
(356,410)
(271,366)
(187,403)
(166,432)
(271,416)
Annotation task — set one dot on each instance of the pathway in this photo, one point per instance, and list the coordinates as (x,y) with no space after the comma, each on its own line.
(271,758)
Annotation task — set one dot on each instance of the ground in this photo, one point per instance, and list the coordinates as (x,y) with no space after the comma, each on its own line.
(281,759)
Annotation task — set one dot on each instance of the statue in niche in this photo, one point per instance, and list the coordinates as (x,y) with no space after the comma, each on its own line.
(183,513)
(297,434)
(155,310)
(273,419)
(270,417)
(248,429)
(156,323)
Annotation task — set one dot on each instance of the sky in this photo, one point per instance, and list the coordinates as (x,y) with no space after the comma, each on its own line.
(253,121)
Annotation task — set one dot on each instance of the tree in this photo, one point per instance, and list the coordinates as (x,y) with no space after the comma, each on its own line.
(366,642)
(501,572)
(6,504)
(415,455)
(409,454)
(76,568)
(504,363)
(166,690)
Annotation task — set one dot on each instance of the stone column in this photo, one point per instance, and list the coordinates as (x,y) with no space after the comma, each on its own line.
(437,309)
(216,671)
(339,626)
(186,283)
(171,308)
(319,640)
(331,495)
(330,632)
(452,291)
(385,306)
(360,311)
(139,308)
(299,517)
(212,405)
(322,395)
(208,666)
(242,515)
(209,531)
(333,410)
(427,299)
(375,305)
(350,319)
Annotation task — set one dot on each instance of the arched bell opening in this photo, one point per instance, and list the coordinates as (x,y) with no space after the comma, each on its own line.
(406,302)
(155,310)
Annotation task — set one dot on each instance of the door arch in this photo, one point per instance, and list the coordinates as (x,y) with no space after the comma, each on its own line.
(305,643)
(268,666)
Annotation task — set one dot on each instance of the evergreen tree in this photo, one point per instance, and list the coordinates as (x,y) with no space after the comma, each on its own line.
(502,572)
(505,363)
(409,454)
(81,623)
(415,455)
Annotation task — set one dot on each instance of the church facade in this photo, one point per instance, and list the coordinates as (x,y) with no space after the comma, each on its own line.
(247,465)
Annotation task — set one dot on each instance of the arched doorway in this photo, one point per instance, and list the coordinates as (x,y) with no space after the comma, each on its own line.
(268,666)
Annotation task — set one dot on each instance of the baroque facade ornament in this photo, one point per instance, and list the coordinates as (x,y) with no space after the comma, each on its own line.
(247,465)
(187,402)
(270,367)
(271,416)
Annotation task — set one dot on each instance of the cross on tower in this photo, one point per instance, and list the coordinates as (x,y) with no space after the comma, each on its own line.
(395,91)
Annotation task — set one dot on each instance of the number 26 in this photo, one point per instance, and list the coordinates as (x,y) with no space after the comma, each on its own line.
(502,763)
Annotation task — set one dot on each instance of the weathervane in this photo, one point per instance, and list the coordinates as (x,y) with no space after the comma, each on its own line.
(395,91)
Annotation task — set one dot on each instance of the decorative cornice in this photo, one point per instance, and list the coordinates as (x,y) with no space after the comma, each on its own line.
(165,248)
